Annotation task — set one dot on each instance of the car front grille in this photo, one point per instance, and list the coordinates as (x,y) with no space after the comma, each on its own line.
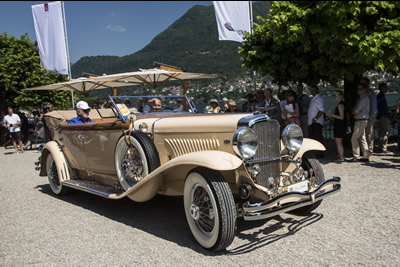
(268,132)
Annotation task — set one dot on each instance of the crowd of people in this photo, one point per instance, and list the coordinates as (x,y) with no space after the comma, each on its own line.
(294,106)
(16,130)
(291,106)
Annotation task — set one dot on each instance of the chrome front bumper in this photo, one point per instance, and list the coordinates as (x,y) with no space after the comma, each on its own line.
(289,201)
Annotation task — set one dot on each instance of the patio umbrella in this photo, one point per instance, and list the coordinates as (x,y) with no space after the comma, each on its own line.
(82,85)
(153,77)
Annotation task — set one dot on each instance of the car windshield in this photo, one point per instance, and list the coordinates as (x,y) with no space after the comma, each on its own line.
(150,104)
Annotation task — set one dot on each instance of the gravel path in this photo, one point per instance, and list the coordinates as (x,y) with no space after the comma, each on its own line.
(358,226)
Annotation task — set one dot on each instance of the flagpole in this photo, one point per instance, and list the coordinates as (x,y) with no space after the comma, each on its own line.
(251,32)
(66,45)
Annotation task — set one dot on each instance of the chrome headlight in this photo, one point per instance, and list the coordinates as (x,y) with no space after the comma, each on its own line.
(143,127)
(245,142)
(292,137)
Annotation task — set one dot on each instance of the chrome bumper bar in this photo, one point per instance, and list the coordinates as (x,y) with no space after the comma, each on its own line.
(273,207)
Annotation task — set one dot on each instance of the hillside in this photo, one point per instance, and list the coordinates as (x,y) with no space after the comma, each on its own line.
(190,43)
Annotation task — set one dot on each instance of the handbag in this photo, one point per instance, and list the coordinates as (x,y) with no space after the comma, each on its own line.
(348,128)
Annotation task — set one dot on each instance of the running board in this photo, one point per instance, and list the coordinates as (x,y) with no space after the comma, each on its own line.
(95,188)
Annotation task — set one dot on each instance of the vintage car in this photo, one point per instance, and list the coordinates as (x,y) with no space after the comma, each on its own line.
(224,165)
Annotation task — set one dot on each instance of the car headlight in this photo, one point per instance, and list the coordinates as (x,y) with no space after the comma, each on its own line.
(245,142)
(143,127)
(292,137)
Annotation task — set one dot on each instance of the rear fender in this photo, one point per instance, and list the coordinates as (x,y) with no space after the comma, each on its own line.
(59,159)
(169,177)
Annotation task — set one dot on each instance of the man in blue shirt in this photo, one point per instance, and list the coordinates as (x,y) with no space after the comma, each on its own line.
(82,110)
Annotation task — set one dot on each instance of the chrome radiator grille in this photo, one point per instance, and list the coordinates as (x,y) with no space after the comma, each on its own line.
(268,147)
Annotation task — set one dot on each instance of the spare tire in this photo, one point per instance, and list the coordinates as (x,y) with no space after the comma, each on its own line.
(135,157)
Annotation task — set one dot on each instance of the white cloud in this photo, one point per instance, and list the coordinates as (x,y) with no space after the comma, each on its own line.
(113,13)
(115,28)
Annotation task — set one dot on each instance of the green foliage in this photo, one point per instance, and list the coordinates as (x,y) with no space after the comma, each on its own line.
(190,43)
(310,41)
(20,68)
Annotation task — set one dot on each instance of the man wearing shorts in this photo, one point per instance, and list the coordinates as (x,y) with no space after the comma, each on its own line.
(13,123)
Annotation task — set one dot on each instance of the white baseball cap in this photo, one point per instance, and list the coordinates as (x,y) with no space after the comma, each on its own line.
(83,105)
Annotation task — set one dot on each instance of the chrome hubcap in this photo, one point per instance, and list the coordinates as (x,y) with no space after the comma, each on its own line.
(132,166)
(202,210)
(195,212)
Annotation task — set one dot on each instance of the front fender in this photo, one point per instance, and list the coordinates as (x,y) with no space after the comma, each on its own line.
(59,159)
(308,145)
(171,176)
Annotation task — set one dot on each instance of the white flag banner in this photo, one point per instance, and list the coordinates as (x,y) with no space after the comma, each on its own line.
(233,17)
(49,28)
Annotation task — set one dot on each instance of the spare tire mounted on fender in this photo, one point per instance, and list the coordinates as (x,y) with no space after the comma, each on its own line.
(135,157)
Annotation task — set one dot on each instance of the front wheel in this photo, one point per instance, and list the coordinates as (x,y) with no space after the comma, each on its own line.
(210,209)
(314,168)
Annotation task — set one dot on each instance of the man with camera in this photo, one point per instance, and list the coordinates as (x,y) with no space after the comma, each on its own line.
(13,123)
(48,133)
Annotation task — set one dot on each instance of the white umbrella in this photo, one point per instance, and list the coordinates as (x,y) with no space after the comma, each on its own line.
(82,85)
(153,77)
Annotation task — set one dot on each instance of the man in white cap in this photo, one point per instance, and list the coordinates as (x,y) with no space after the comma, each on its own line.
(82,110)
(13,123)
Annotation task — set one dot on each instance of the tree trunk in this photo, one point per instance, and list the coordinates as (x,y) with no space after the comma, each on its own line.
(350,100)
(351,96)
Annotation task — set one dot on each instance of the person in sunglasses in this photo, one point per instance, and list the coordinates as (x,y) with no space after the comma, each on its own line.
(82,110)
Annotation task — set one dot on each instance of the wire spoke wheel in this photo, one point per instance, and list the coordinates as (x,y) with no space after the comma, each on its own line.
(135,157)
(52,175)
(210,209)
(132,166)
(202,210)
(317,176)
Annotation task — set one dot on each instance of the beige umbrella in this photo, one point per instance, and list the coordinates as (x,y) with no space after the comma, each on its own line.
(153,77)
(82,85)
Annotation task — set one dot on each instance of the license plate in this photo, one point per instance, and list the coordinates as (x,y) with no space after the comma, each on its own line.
(299,187)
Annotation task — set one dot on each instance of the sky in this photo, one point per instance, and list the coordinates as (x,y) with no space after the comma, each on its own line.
(98,28)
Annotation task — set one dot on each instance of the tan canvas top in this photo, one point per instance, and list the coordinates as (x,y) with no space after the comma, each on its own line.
(56,117)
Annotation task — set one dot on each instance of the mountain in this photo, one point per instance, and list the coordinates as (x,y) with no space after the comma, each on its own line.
(190,43)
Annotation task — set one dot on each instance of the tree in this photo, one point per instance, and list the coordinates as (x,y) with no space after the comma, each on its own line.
(313,41)
(20,68)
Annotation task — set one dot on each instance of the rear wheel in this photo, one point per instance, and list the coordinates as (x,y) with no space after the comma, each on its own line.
(210,209)
(52,174)
(314,168)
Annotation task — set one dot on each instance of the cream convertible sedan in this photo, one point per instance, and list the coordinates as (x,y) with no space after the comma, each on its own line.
(224,165)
